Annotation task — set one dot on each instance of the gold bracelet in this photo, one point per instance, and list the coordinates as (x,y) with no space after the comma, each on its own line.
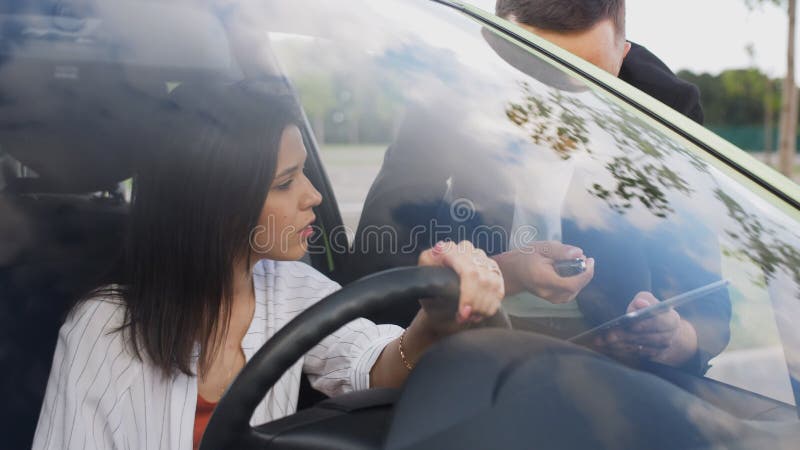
(408,365)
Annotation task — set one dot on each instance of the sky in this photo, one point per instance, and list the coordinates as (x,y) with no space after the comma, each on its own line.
(706,35)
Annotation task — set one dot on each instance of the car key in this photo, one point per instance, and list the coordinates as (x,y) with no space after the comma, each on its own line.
(570,267)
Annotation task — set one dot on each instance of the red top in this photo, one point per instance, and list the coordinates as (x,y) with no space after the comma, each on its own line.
(201,416)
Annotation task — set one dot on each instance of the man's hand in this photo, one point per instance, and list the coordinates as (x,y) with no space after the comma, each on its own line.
(531,269)
(665,338)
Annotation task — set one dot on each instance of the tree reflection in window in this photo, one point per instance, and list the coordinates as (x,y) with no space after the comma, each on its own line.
(639,163)
(760,243)
(548,123)
(641,182)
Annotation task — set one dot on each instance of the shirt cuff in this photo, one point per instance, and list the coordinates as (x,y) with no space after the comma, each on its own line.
(363,366)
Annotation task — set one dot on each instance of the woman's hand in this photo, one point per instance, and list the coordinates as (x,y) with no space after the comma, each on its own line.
(531,269)
(665,338)
(481,290)
(481,287)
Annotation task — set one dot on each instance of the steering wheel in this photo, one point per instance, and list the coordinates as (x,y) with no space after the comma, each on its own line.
(229,426)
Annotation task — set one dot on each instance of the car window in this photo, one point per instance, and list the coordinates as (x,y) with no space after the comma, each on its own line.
(428,136)
(429,126)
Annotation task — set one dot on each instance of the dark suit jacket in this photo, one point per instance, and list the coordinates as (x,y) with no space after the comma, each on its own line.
(646,72)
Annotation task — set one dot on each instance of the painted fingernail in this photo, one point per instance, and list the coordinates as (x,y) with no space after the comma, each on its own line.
(438,248)
(466,311)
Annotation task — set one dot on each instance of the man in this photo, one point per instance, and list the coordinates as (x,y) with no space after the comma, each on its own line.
(595,31)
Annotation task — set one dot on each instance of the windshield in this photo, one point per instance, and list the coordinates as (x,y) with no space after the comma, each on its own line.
(422,124)
(452,132)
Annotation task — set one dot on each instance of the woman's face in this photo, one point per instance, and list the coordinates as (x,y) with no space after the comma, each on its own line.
(284,225)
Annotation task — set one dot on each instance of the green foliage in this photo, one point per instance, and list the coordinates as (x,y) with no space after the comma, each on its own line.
(344,105)
(317,94)
(741,105)
(736,97)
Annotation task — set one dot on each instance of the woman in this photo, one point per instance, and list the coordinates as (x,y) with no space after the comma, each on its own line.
(220,216)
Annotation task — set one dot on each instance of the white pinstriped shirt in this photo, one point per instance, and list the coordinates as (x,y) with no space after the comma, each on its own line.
(99,396)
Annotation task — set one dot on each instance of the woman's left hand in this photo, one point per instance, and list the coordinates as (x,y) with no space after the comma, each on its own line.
(481,286)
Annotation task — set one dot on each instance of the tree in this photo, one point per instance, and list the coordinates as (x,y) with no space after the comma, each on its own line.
(768,101)
(735,97)
(772,104)
(318,97)
(788,120)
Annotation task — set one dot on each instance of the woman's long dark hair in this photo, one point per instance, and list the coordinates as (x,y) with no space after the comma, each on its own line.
(196,197)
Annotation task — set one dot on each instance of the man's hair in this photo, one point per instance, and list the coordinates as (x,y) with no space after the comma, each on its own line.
(563,15)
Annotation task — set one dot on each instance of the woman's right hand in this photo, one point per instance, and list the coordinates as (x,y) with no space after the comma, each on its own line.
(481,287)
(480,293)
(531,269)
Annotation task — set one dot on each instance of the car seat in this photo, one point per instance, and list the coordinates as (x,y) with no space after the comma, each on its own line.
(66,145)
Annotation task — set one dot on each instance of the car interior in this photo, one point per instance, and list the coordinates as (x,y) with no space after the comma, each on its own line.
(71,130)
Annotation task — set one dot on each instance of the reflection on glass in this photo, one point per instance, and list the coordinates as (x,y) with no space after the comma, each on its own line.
(763,244)
(551,123)
(430,126)
(624,187)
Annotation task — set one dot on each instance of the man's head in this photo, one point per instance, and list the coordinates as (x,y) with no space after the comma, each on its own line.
(591,29)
